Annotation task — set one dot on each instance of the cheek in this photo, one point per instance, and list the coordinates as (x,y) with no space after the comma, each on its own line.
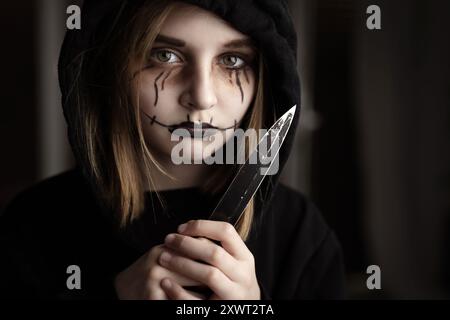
(146,97)
(157,92)
(236,91)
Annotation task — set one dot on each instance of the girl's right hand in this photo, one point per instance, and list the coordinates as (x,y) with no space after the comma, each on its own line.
(142,280)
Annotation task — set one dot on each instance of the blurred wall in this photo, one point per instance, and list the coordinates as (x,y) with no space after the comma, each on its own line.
(18,94)
(402,78)
(377,159)
(55,154)
(297,172)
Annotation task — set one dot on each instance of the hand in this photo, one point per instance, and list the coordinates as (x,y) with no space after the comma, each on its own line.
(142,280)
(229,270)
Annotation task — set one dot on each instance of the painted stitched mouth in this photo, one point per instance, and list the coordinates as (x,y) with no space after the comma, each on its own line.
(194,125)
(197,130)
(187,124)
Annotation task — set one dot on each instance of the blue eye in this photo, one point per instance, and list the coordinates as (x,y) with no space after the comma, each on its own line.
(232,61)
(165,56)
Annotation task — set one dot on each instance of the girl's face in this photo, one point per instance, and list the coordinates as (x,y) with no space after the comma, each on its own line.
(199,71)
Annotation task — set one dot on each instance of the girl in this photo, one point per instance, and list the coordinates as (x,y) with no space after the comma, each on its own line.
(131,222)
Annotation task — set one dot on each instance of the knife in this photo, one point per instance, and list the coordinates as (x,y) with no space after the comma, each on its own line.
(250,175)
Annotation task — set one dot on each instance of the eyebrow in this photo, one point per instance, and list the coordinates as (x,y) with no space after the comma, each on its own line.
(238,43)
(169,40)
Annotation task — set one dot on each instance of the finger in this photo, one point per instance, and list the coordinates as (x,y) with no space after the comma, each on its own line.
(156,294)
(160,272)
(182,280)
(212,277)
(204,250)
(220,231)
(175,292)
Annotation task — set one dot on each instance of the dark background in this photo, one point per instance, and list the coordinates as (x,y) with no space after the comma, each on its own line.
(373,149)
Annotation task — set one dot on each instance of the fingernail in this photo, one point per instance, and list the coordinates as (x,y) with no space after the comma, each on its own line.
(182,227)
(166,283)
(170,238)
(165,257)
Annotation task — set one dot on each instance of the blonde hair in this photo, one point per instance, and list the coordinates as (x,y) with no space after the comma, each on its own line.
(119,157)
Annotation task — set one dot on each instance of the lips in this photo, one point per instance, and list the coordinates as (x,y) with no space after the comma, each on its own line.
(197,130)
(190,124)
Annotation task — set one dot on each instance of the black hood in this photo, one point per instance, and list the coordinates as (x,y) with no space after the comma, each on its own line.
(267,22)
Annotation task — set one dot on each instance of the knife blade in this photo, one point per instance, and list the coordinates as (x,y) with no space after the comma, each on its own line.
(250,175)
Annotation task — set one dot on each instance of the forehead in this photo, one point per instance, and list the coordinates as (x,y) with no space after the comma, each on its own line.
(193,25)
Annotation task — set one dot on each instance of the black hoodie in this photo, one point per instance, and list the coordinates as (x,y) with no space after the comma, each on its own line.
(60,222)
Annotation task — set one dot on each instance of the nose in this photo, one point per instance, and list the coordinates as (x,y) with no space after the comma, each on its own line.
(200,93)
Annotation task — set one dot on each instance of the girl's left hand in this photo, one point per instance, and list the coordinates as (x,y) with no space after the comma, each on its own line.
(229,270)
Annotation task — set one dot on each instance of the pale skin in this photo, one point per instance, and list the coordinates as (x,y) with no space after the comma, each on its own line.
(194,56)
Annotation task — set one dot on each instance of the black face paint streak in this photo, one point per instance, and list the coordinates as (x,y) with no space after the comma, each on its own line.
(139,71)
(230,76)
(153,120)
(246,76)
(238,81)
(164,80)
(156,88)
(210,121)
(231,127)
(188,118)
